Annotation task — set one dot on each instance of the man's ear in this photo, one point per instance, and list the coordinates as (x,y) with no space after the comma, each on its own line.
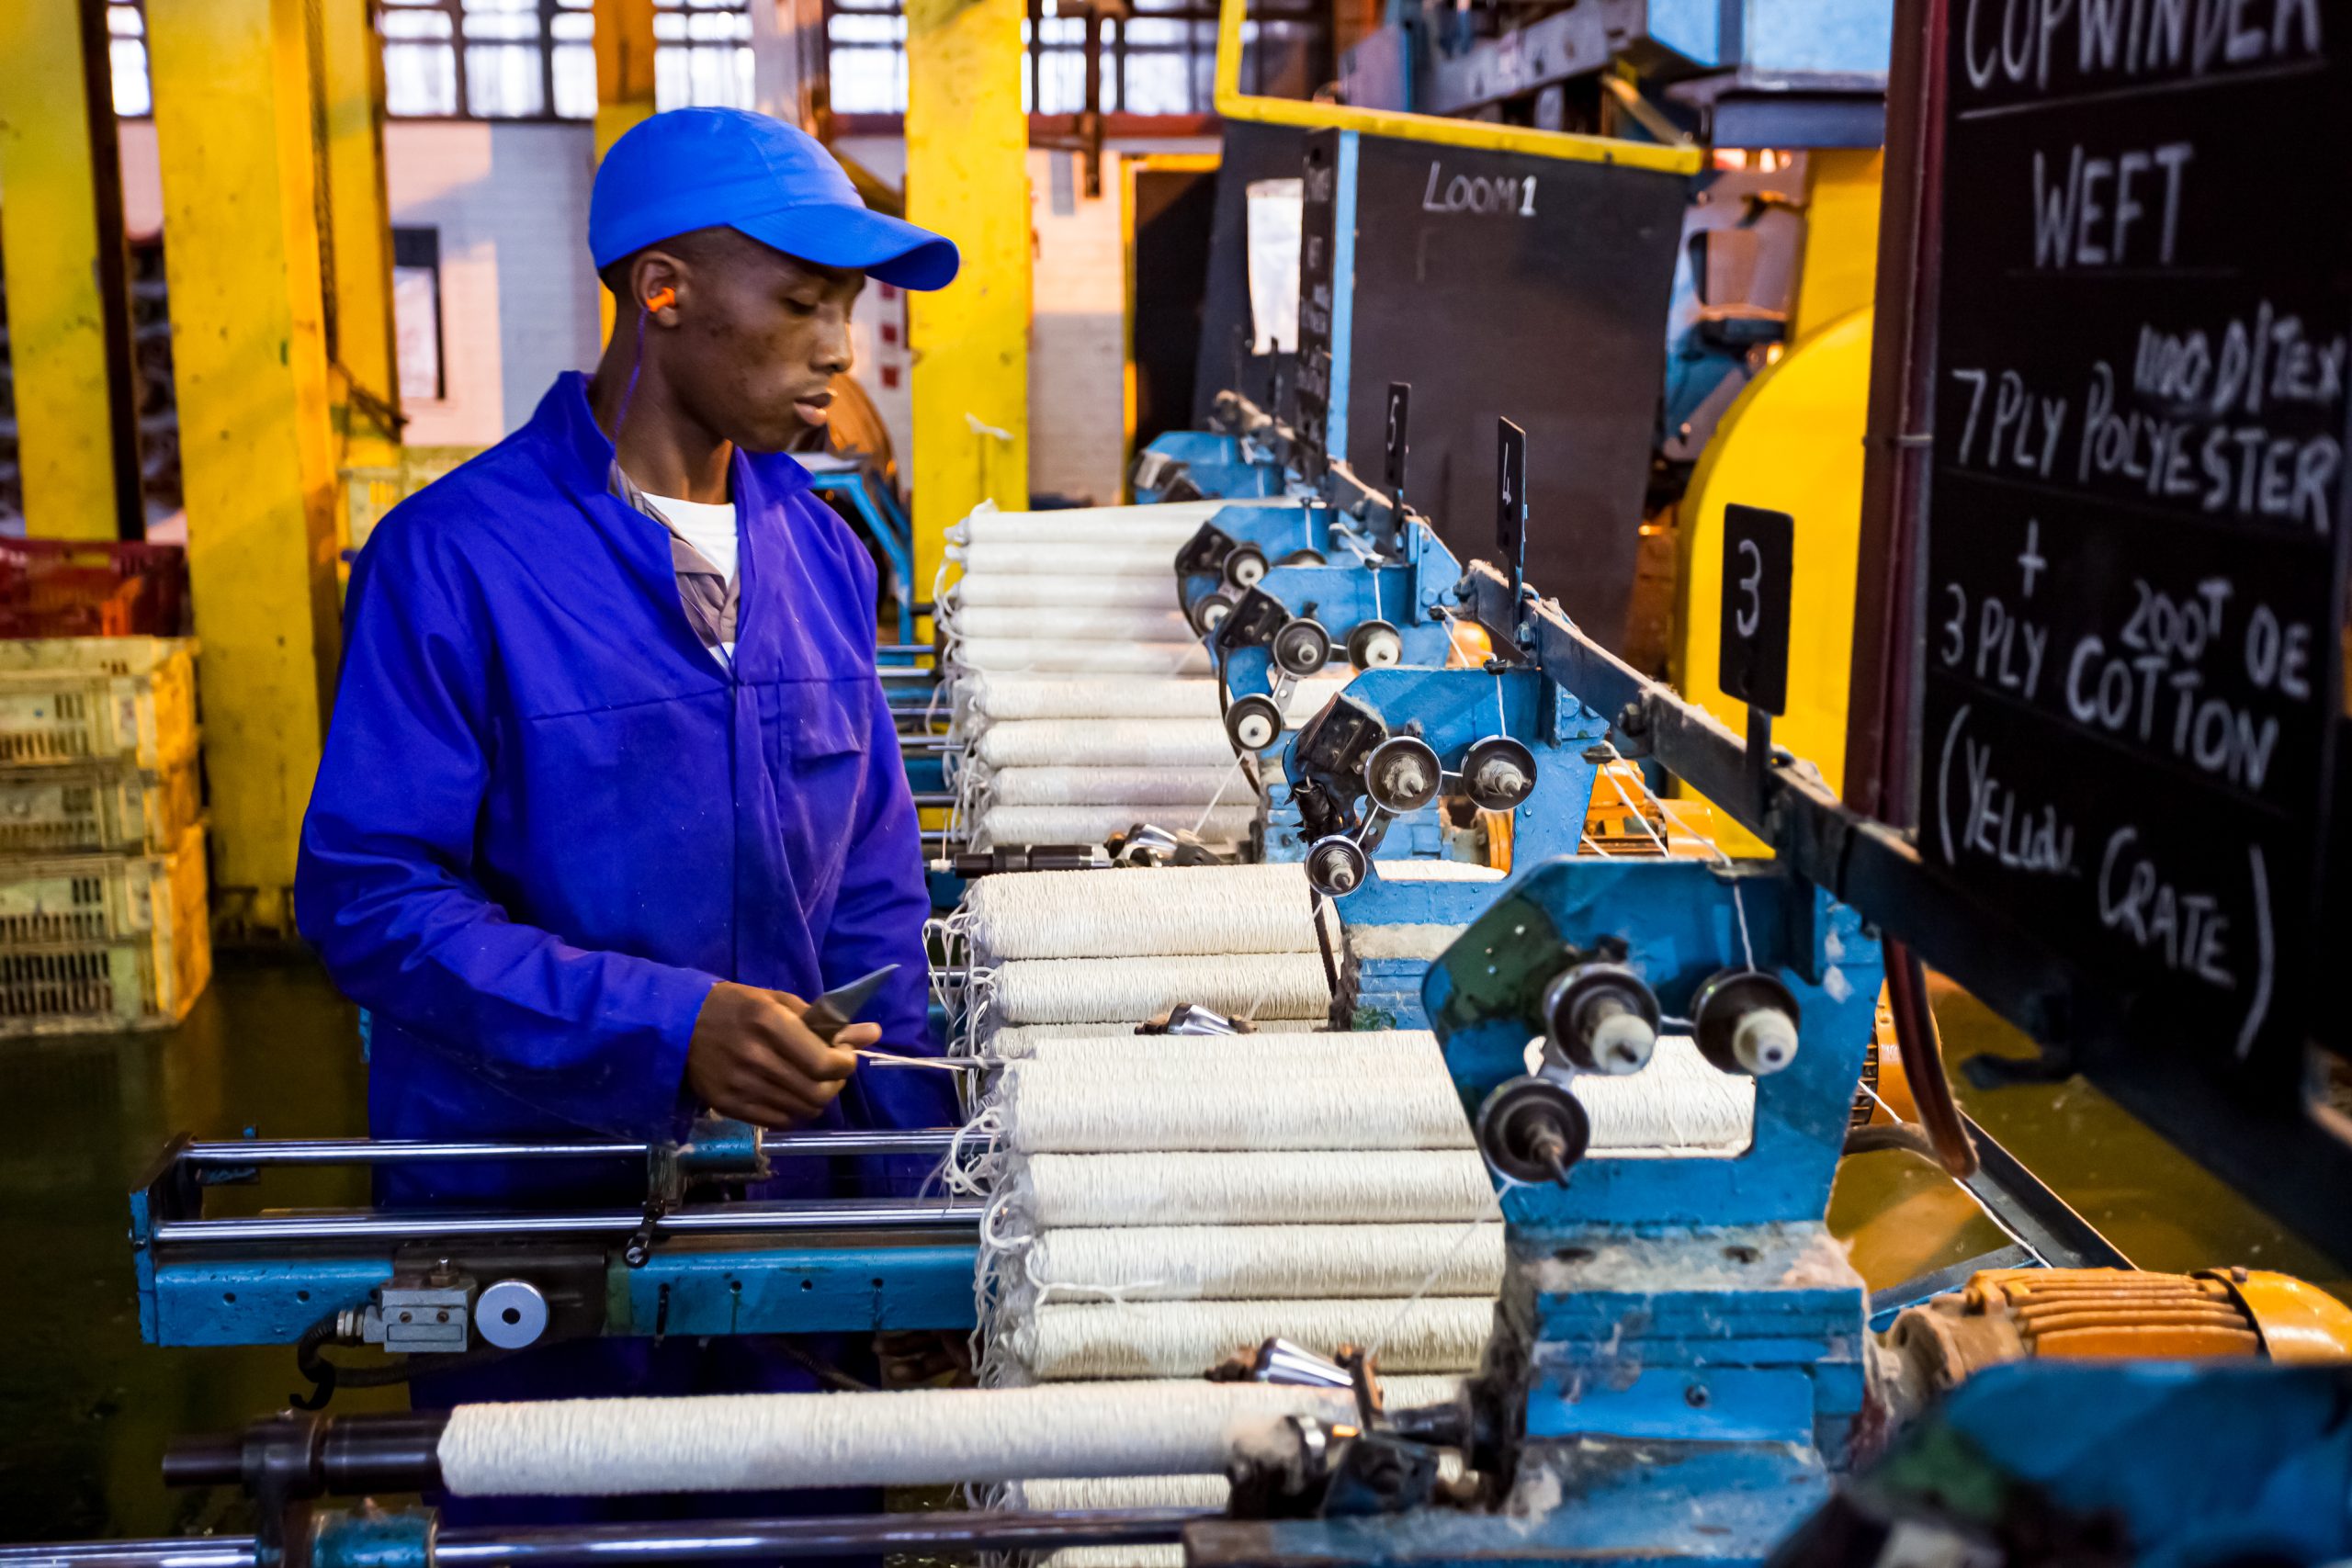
(655,283)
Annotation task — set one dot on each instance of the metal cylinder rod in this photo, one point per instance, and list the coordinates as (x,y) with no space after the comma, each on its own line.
(390,1151)
(731,1540)
(686,1542)
(906,650)
(719,1219)
(228,1551)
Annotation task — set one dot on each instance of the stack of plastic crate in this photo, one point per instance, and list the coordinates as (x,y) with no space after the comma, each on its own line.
(102,917)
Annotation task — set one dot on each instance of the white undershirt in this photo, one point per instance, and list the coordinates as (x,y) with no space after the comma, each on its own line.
(710,529)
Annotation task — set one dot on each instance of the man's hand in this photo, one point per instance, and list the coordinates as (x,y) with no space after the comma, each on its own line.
(750,1057)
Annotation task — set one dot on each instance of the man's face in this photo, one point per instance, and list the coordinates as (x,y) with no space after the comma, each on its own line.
(760,338)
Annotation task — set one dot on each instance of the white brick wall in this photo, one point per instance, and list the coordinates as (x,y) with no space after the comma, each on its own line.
(518,295)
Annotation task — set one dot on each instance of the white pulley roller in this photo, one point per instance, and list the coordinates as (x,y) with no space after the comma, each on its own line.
(1080,621)
(1104,743)
(588,1448)
(1114,787)
(1252,1188)
(1227,826)
(1139,913)
(1080,656)
(1128,990)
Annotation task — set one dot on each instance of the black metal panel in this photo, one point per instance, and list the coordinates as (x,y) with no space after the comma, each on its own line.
(2135,508)
(1251,152)
(1529,289)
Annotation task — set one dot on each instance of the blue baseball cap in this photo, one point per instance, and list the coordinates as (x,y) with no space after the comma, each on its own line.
(710,168)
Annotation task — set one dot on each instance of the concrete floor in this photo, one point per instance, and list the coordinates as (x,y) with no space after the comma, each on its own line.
(85,1409)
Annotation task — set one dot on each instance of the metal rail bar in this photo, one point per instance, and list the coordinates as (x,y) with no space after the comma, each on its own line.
(716,1219)
(685,1541)
(240,1153)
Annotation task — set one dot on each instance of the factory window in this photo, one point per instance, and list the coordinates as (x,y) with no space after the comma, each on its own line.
(505,58)
(1157,59)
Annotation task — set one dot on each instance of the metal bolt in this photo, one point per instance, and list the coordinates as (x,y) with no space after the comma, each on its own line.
(1695,1396)
(405,1318)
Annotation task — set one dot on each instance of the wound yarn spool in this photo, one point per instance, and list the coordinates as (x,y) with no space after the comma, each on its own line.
(1060,1190)
(1060,1112)
(1059,1343)
(1080,656)
(1078,621)
(1019,1040)
(1336,1050)
(913,1437)
(1135,1263)
(1175,521)
(1113,786)
(1678,1105)
(1227,825)
(996,698)
(1054,590)
(1067,559)
(1163,911)
(1105,743)
(1124,990)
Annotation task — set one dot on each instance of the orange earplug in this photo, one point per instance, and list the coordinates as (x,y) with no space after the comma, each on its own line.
(662,298)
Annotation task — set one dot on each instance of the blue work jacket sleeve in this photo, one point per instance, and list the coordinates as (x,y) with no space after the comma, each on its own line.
(383,889)
(879,919)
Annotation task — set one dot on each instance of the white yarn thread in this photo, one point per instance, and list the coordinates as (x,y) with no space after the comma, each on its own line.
(1680,1105)
(1085,524)
(1263,1262)
(1435,871)
(1103,786)
(1367,943)
(1056,1192)
(1409,1049)
(1225,826)
(1132,913)
(1080,656)
(1121,1492)
(1057,589)
(914,1437)
(1080,621)
(1021,1040)
(996,698)
(1121,990)
(1273,1059)
(1105,743)
(1095,559)
(1170,1339)
(1059,1112)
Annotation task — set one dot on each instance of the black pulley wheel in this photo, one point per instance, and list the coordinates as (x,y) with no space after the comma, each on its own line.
(1244,564)
(1301,647)
(1210,610)
(1254,723)
(1402,774)
(1499,773)
(1375,645)
(1532,1130)
(1336,866)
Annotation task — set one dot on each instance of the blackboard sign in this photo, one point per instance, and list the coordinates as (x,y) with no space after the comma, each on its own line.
(1510,503)
(1397,446)
(1759,556)
(1318,245)
(2132,572)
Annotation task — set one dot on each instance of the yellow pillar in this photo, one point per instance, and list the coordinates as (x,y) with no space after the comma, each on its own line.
(1839,270)
(624,88)
(234,129)
(967,179)
(73,387)
(361,339)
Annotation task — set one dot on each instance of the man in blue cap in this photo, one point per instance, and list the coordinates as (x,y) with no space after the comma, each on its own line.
(611,782)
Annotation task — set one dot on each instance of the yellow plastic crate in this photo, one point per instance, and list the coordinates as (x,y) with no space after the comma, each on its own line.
(86,699)
(371,490)
(94,943)
(97,809)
